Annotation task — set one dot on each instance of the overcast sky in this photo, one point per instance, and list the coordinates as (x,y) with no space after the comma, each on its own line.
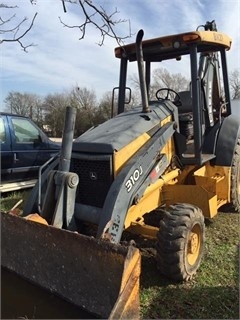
(60,61)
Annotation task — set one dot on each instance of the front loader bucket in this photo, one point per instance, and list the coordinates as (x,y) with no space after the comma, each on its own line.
(98,276)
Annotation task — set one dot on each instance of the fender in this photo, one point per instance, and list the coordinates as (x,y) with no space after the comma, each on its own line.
(227,139)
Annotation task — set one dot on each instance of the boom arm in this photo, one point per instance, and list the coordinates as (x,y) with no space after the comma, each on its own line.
(131,183)
(210,86)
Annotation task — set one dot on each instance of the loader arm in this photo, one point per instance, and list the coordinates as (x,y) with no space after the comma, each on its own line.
(132,181)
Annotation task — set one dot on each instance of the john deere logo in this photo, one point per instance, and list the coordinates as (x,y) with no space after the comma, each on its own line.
(93,175)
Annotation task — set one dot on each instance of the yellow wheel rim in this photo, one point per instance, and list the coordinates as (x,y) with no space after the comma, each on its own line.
(194,244)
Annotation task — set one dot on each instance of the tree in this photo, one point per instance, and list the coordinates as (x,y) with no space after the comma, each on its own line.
(234,82)
(25,104)
(162,78)
(83,98)
(104,111)
(49,112)
(90,13)
(54,107)
(86,103)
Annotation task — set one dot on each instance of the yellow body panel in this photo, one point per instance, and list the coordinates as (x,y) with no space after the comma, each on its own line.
(123,155)
(169,148)
(128,151)
(193,194)
(152,198)
(215,179)
(209,190)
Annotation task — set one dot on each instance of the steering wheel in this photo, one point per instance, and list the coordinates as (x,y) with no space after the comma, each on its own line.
(169,91)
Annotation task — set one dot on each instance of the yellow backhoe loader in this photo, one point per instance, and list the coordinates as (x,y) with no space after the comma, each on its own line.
(175,157)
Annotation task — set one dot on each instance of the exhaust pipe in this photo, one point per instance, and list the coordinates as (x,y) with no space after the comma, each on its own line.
(142,81)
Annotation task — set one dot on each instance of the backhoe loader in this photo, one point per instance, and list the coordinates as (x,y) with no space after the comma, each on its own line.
(174,158)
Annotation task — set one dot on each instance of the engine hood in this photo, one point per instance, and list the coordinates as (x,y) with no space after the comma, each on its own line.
(119,131)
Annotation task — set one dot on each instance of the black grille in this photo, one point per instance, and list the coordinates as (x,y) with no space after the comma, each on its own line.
(95,178)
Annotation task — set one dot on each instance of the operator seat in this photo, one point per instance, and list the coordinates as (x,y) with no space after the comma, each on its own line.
(186,102)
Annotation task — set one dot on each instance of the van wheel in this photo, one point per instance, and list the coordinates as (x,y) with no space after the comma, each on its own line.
(180,242)
(235,177)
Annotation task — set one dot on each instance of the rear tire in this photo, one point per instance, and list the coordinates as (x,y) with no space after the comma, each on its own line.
(235,177)
(180,242)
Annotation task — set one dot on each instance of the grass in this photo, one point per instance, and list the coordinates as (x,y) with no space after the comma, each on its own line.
(10,199)
(212,294)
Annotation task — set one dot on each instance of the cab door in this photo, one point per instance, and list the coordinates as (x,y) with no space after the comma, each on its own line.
(30,149)
(6,150)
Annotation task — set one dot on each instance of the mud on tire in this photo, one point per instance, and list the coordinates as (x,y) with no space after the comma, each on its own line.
(180,242)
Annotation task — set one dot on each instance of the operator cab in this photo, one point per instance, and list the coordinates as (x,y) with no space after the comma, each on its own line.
(202,104)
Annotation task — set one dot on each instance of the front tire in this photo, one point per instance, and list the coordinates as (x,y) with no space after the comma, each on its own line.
(235,177)
(180,242)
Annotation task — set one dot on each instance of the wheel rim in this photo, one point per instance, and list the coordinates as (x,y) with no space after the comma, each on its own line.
(194,245)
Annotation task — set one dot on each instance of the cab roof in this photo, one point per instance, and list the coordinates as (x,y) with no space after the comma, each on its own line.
(174,46)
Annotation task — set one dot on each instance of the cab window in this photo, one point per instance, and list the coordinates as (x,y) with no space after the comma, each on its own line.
(25,131)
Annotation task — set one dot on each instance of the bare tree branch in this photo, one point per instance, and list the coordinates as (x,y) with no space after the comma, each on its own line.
(64,7)
(99,18)
(91,14)
(4,29)
(2,22)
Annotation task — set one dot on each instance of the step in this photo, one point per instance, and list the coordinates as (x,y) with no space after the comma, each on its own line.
(14,186)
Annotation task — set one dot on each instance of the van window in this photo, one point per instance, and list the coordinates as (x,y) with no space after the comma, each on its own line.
(2,131)
(25,131)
